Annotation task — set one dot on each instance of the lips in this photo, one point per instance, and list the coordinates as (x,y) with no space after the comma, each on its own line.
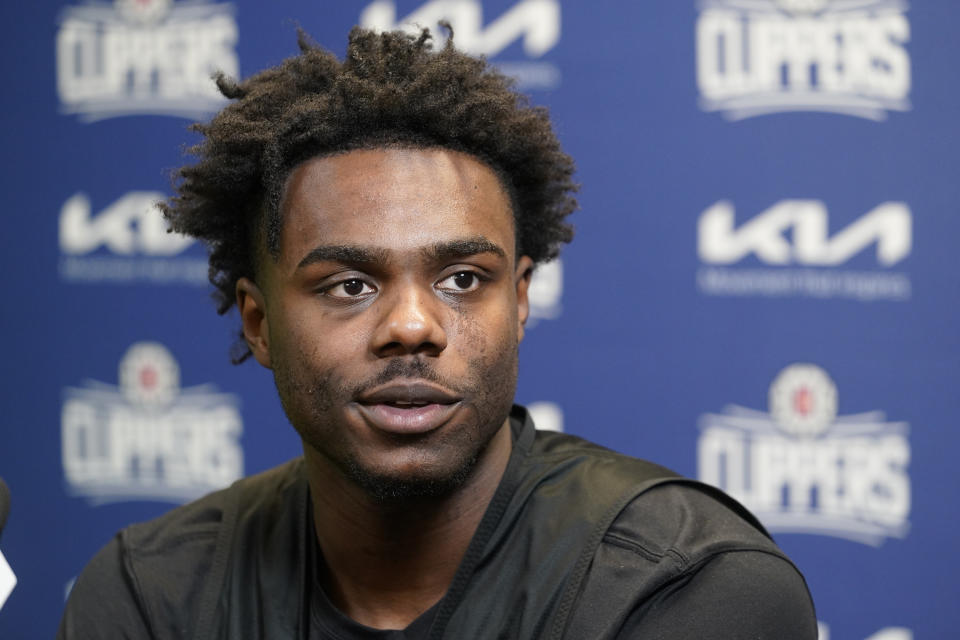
(407,408)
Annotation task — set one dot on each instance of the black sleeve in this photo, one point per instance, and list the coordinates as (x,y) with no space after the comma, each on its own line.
(737,594)
(103,602)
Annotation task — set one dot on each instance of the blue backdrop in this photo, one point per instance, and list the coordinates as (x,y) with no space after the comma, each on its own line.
(762,293)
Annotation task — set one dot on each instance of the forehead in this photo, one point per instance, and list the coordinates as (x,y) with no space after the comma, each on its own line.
(395,199)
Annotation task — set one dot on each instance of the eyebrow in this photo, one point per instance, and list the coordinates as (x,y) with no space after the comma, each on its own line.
(347,254)
(442,251)
(437,252)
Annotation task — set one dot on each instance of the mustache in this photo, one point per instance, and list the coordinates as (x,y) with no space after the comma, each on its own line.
(404,368)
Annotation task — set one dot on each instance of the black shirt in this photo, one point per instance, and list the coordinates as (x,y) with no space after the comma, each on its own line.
(578,542)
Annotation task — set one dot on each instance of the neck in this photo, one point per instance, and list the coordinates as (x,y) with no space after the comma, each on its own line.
(388,562)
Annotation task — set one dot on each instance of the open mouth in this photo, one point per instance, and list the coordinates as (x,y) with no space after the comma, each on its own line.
(409,407)
(407,404)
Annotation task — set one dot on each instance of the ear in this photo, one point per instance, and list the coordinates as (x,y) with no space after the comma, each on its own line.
(253,316)
(522,278)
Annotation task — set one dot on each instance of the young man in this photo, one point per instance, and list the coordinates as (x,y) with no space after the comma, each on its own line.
(376,222)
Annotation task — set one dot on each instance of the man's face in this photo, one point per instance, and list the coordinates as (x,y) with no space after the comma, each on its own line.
(393,314)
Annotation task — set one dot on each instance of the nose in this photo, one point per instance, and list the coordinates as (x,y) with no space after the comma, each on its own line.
(410,324)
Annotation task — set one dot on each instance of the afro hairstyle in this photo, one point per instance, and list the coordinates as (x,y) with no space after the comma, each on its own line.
(391,90)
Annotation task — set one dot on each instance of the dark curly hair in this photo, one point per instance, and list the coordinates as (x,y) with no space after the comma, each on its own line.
(392,89)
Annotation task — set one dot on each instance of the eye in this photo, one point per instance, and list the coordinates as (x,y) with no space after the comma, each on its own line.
(461,281)
(352,288)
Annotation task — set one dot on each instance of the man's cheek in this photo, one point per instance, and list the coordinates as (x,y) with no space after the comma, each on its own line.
(481,334)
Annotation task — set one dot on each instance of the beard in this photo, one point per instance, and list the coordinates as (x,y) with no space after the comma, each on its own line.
(316,403)
(385,488)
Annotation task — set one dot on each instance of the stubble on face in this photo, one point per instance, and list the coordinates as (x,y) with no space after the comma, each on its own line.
(310,398)
(327,351)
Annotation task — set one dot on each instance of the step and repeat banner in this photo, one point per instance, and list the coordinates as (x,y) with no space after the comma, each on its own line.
(764,290)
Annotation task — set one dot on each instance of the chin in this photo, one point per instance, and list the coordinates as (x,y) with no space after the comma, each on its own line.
(397,487)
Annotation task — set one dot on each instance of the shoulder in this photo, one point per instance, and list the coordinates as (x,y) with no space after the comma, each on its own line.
(681,560)
(688,520)
(595,462)
(148,580)
(656,508)
(253,497)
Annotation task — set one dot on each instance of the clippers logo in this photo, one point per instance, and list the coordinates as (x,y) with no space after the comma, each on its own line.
(148,439)
(134,236)
(801,468)
(757,57)
(138,57)
(537,22)
(797,233)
